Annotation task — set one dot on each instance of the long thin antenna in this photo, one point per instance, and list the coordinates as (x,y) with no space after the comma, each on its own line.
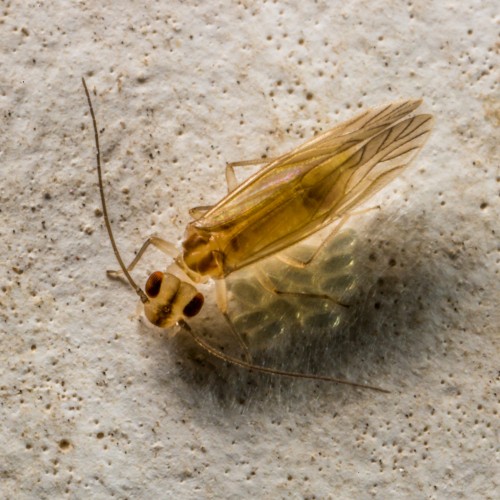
(133,284)
(249,366)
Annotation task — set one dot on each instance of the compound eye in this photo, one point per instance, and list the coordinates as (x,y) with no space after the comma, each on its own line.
(194,306)
(153,284)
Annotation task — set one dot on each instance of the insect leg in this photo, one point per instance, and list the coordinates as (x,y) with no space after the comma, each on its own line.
(221,299)
(268,285)
(162,245)
(197,212)
(301,264)
(232,182)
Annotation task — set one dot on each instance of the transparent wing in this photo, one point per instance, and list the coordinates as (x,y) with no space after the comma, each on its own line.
(277,176)
(315,184)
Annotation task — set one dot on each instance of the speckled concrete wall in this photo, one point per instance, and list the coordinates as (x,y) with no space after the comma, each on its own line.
(94,402)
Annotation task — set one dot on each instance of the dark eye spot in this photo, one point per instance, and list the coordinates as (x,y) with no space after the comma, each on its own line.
(153,284)
(194,306)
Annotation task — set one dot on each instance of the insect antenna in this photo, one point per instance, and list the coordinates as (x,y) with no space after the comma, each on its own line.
(273,371)
(133,284)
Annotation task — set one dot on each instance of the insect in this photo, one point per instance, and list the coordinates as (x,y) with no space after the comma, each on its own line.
(293,196)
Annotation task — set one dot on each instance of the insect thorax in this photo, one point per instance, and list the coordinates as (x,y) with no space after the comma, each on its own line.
(202,257)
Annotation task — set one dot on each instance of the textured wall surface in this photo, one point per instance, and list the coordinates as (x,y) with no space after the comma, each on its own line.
(97,404)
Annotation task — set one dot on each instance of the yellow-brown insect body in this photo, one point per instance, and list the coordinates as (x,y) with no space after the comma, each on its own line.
(203,255)
(216,250)
(303,191)
(289,199)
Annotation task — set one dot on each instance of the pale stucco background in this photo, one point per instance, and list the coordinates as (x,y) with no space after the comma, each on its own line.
(96,404)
